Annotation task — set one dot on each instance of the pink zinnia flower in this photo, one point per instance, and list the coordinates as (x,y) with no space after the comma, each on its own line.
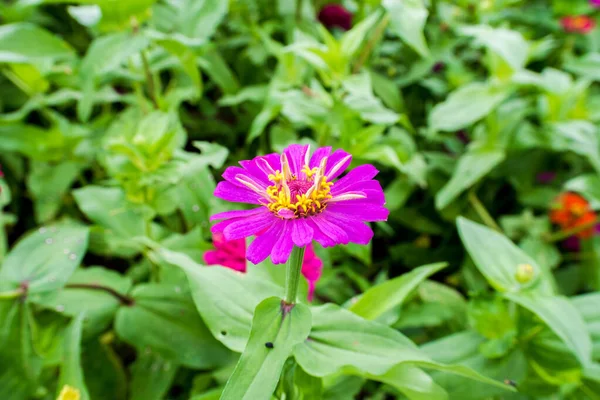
(595,3)
(335,15)
(298,202)
(232,254)
(577,24)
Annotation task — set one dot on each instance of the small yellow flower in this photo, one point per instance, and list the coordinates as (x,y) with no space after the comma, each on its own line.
(69,393)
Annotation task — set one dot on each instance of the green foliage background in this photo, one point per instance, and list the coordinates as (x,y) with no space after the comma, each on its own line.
(117,118)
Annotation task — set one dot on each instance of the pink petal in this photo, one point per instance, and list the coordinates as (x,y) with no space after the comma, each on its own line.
(282,249)
(302,233)
(331,231)
(338,161)
(361,211)
(354,176)
(228,191)
(358,232)
(318,155)
(248,226)
(261,247)
(236,214)
(296,154)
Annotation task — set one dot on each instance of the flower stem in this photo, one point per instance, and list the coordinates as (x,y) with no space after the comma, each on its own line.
(125,300)
(483,212)
(292,278)
(12,294)
(563,234)
(150,80)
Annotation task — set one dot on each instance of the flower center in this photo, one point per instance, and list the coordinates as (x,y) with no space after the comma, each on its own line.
(293,196)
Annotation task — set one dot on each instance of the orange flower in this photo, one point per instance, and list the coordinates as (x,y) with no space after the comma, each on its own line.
(571,210)
(577,24)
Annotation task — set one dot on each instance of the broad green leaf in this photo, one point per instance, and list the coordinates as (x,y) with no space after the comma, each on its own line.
(119,220)
(105,377)
(45,259)
(460,111)
(390,294)
(48,184)
(353,40)
(580,137)
(87,291)
(342,341)
(588,186)
(587,66)
(463,349)
(414,383)
(164,319)
(71,372)
(260,122)
(275,331)
(151,376)
(26,43)
(187,59)
(560,316)
(471,167)
(227,313)
(20,364)
(589,307)
(200,18)
(213,65)
(508,44)
(407,20)
(498,259)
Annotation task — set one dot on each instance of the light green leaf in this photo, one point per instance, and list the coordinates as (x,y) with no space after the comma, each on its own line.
(19,381)
(342,341)
(472,166)
(200,18)
(407,20)
(508,44)
(257,372)
(45,259)
(562,317)
(164,319)
(82,294)
(580,137)
(353,40)
(390,294)
(187,59)
(459,110)
(228,313)
(260,122)
(120,221)
(589,307)
(587,66)
(71,372)
(413,382)
(151,376)
(25,43)
(497,258)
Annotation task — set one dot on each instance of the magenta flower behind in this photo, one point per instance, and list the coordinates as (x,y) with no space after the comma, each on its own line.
(299,201)
(232,254)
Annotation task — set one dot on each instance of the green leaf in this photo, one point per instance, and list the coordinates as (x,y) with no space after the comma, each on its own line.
(71,372)
(414,383)
(384,297)
(588,306)
(257,372)
(200,19)
(580,137)
(353,40)
(17,350)
(471,167)
(26,43)
(407,20)
(187,59)
(508,44)
(342,341)
(260,122)
(105,376)
(151,376)
(562,317)
(45,259)
(498,259)
(460,111)
(84,295)
(228,313)
(164,319)
(587,66)
(120,220)
(48,184)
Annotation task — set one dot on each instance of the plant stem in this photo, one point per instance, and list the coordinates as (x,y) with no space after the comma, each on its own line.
(12,294)
(483,212)
(298,11)
(364,55)
(125,300)
(150,80)
(292,278)
(560,235)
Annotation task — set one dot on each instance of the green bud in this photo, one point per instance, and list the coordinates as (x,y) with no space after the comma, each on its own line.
(525,273)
